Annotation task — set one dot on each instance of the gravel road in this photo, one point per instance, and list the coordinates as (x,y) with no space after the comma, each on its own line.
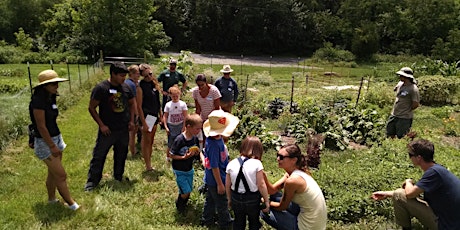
(238,60)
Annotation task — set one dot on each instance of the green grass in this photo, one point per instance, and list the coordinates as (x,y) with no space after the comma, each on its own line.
(147,201)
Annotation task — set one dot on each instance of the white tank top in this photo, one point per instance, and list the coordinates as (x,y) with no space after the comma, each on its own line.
(313,211)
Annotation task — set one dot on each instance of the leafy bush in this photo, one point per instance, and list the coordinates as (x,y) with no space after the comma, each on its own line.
(379,94)
(438,90)
(251,125)
(12,72)
(434,67)
(275,107)
(340,125)
(11,54)
(10,87)
(331,54)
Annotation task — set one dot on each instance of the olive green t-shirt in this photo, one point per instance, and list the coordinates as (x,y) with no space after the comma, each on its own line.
(405,96)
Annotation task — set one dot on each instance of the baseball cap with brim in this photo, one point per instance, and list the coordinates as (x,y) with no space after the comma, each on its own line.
(406,72)
(49,76)
(226,69)
(220,123)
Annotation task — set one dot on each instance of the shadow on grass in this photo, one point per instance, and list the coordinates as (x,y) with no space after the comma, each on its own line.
(123,186)
(48,214)
(191,216)
(152,175)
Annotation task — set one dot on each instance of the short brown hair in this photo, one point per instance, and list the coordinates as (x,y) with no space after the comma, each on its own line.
(192,120)
(423,148)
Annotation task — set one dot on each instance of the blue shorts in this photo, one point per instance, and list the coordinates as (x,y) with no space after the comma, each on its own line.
(184,181)
(174,131)
(43,151)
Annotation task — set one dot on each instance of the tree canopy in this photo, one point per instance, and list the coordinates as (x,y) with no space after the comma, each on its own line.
(297,27)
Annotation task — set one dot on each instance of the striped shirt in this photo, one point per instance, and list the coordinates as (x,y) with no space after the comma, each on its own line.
(207,102)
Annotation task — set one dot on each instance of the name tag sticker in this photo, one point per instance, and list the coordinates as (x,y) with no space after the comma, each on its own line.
(112,91)
(209,98)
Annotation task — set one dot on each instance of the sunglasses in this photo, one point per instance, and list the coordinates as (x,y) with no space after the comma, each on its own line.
(281,157)
(411,155)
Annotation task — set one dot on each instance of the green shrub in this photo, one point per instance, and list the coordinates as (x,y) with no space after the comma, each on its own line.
(12,72)
(11,54)
(10,87)
(251,125)
(379,94)
(438,90)
(35,58)
(331,54)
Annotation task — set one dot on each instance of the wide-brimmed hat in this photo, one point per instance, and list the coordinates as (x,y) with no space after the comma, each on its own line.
(226,69)
(406,72)
(48,76)
(220,123)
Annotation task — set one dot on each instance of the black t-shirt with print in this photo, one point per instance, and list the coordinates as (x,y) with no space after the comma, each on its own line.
(113,104)
(180,148)
(42,100)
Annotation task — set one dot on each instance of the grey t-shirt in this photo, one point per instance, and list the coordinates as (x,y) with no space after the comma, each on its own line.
(405,95)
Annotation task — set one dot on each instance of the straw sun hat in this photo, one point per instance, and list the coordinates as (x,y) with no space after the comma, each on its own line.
(220,123)
(49,76)
(226,69)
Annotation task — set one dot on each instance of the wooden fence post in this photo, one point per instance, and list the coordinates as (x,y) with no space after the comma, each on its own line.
(68,74)
(359,91)
(292,93)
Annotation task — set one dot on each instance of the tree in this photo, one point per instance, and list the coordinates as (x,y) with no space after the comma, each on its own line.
(23,40)
(448,50)
(116,27)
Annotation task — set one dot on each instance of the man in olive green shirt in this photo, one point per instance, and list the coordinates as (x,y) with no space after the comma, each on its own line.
(407,100)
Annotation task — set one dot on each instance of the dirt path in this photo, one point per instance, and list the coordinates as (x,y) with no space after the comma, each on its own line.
(245,60)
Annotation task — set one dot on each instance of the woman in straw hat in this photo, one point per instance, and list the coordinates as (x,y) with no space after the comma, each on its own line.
(48,142)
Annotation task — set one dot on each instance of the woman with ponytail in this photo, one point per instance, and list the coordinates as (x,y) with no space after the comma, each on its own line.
(308,207)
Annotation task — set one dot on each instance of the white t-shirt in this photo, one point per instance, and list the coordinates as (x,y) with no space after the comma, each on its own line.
(175,112)
(250,169)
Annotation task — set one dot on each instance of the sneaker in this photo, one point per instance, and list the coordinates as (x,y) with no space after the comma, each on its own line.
(74,206)
(89,186)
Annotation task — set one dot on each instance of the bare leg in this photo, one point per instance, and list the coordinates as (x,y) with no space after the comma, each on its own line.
(147,143)
(59,175)
(50,186)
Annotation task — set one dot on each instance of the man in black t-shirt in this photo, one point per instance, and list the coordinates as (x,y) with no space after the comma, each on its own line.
(115,117)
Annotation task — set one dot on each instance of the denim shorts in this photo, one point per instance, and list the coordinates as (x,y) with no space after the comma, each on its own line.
(43,151)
